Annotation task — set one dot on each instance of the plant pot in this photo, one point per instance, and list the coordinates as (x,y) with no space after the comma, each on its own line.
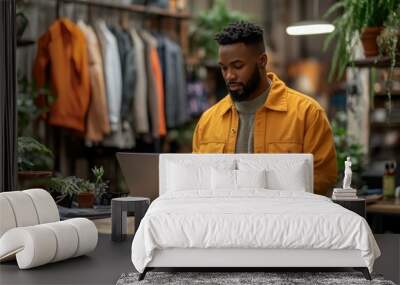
(32,179)
(85,200)
(368,40)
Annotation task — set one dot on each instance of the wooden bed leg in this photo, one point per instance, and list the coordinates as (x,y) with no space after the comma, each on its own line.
(142,275)
(364,271)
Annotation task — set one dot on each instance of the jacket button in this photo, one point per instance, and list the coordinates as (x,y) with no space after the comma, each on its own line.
(233,131)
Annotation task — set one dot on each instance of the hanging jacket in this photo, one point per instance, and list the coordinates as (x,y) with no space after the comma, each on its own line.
(176,105)
(97,122)
(289,122)
(112,73)
(155,86)
(62,59)
(139,108)
(128,70)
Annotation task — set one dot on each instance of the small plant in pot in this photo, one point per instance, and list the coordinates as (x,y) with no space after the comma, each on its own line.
(100,186)
(34,161)
(64,189)
(356,19)
(85,192)
(92,192)
(86,197)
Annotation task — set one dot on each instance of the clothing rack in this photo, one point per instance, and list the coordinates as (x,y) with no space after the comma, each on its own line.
(132,8)
(149,11)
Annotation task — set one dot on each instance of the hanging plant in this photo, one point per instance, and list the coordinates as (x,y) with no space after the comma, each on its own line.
(353,17)
(389,45)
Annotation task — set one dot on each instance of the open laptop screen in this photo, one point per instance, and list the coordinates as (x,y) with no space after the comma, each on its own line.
(140,171)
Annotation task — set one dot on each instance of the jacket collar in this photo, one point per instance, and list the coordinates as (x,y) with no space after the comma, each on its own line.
(276,99)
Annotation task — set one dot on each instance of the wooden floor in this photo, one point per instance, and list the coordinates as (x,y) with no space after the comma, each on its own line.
(111,259)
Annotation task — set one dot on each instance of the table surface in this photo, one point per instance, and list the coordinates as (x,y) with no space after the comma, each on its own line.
(385,206)
(97,212)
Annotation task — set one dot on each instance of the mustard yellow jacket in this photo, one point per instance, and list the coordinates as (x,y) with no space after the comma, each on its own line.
(289,122)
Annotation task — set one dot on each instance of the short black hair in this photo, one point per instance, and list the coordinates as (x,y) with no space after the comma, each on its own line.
(241,32)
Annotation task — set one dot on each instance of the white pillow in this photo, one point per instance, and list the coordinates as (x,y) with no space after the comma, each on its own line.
(183,177)
(189,176)
(280,175)
(294,179)
(235,179)
(251,178)
(223,179)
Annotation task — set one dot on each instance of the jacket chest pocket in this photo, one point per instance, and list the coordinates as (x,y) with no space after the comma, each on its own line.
(211,147)
(285,147)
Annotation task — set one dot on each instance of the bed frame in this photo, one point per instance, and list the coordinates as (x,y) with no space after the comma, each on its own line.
(247,259)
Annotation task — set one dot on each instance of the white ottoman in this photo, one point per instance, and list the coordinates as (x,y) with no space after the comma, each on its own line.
(31,232)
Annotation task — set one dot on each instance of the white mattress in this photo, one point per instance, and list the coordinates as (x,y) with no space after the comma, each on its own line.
(252,218)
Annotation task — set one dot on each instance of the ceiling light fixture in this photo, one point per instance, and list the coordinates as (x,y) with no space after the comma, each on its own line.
(310,28)
(315,27)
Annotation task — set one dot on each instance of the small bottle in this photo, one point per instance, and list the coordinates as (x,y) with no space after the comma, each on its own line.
(389,180)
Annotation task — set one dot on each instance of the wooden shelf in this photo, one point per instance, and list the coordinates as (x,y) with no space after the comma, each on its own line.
(133,8)
(384,125)
(376,61)
(384,95)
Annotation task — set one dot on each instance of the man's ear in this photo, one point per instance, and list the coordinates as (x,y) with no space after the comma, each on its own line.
(262,61)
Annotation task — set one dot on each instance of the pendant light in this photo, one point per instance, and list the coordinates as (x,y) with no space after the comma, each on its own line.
(314,27)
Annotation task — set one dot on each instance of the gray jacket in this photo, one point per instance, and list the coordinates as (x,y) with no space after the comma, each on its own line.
(176,105)
(128,71)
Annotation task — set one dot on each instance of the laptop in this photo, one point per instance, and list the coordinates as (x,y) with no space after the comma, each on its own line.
(140,171)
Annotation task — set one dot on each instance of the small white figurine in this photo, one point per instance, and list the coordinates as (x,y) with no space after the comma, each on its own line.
(347,174)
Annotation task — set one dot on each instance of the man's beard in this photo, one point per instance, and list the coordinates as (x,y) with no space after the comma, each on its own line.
(245,92)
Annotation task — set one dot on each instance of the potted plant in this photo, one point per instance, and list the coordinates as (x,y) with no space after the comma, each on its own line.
(86,196)
(34,160)
(210,22)
(64,189)
(92,192)
(357,19)
(389,39)
(27,108)
(85,192)
(100,186)
(389,45)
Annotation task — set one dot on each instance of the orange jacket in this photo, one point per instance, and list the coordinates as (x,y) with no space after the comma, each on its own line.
(62,54)
(289,122)
(158,78)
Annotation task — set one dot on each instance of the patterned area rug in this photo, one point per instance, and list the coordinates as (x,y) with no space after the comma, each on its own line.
(229,278)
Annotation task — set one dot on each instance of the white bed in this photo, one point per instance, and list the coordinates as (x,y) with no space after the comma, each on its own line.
(203,219)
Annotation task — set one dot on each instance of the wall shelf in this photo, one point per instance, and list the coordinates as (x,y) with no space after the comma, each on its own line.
(376,61)
(133,8)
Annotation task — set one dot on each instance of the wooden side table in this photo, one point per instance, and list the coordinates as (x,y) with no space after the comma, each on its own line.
(120,207)
(355,205)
